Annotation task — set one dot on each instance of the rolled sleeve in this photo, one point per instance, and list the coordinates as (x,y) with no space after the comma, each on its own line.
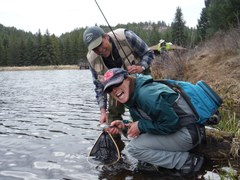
(140,48)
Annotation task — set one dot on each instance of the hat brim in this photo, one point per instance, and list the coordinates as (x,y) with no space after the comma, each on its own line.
(113,81)
(95,43)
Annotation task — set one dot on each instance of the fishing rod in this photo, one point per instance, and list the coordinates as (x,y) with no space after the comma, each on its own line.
(113,32)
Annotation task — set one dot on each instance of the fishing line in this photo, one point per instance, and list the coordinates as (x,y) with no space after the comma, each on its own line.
(113,32)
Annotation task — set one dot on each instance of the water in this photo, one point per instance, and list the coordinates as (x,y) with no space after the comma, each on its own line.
(48,124)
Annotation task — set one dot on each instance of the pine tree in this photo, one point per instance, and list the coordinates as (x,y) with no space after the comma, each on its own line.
(203,24)
(178,27)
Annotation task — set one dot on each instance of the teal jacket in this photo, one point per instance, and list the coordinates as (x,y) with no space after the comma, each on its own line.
(151,104)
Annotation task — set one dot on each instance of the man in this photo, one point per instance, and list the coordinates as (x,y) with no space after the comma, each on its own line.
(118,49)
(164,127)
(163,46)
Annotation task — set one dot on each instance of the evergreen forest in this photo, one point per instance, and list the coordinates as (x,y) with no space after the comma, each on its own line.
(20,48)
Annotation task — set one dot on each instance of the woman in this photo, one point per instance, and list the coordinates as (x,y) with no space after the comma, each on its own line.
(163,127)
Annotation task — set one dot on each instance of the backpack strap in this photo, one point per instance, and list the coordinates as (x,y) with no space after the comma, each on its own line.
(179,90)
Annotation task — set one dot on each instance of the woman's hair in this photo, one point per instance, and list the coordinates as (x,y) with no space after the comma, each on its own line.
(131,84)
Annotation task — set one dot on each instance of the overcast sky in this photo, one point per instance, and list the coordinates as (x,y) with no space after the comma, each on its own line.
(61,16)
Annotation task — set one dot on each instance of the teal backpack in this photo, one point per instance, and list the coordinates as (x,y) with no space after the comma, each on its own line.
(203,100)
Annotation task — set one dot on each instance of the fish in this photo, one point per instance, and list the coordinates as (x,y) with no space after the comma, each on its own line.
(105,126)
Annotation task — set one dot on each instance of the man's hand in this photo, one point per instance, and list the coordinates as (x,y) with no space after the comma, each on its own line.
(135,69)
(103,116)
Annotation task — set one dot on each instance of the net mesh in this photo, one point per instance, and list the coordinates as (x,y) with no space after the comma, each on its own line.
(105,150)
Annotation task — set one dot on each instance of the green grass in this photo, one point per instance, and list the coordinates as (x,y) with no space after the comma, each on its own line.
(229,122)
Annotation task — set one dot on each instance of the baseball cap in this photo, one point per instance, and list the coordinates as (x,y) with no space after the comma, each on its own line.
(114,76)
(161,41)
(92,37)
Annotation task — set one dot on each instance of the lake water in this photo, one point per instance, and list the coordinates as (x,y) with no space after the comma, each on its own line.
(48,124)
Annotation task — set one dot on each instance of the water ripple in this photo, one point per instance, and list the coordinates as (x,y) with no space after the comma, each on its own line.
(47,124)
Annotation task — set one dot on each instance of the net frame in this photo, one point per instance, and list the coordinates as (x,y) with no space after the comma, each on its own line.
(104,151)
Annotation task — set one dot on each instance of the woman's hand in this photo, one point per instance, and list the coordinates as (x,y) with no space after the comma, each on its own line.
(133,131)
(116,127)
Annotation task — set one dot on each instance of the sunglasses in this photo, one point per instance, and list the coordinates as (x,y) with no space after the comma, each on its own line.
(110,88)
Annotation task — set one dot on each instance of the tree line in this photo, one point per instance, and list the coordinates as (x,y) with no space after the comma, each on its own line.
(20,48)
